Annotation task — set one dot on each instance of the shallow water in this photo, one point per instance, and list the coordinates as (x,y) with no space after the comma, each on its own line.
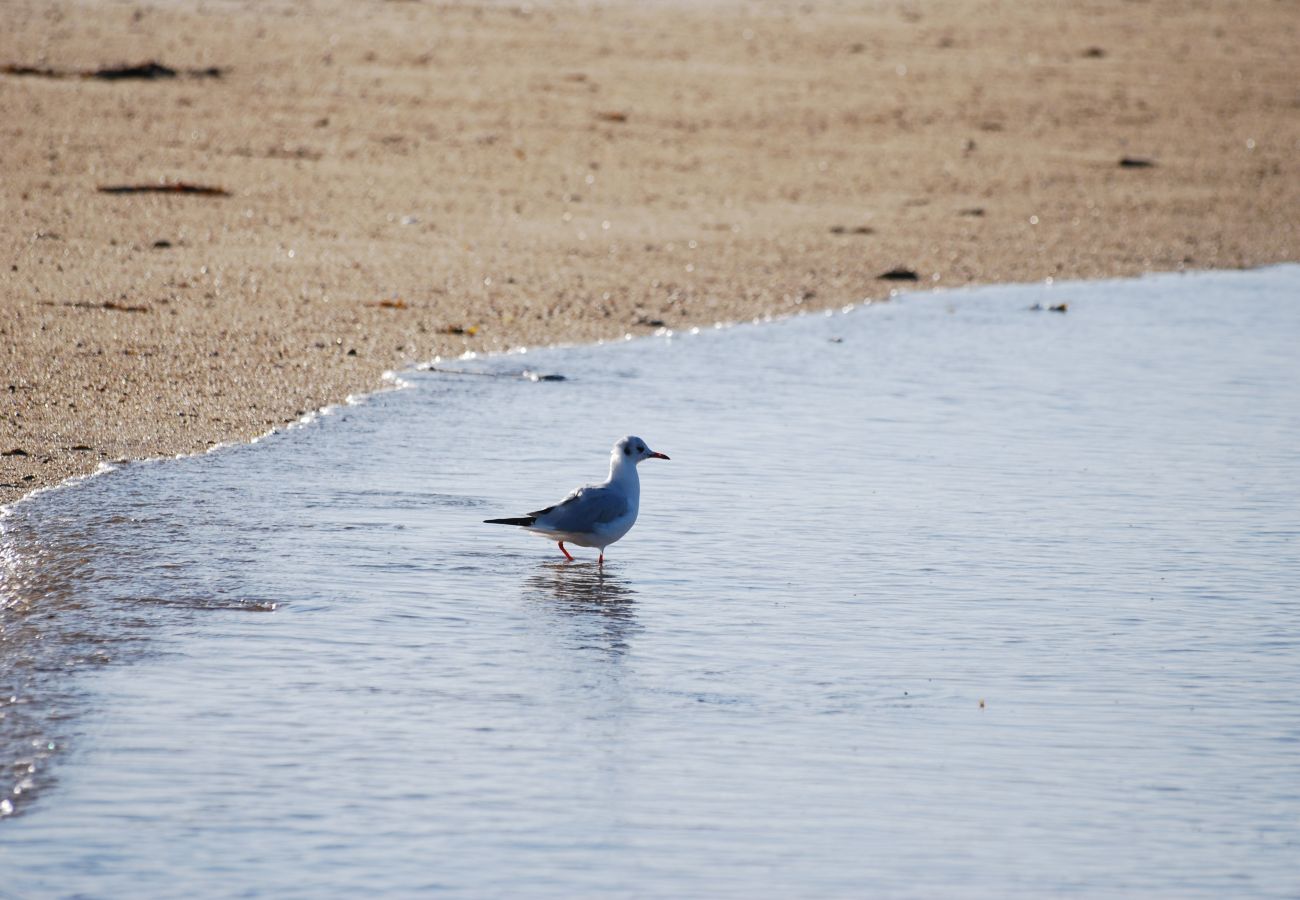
(941,596)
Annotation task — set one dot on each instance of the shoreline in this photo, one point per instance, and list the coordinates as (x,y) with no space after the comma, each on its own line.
(416,180)
(392,380)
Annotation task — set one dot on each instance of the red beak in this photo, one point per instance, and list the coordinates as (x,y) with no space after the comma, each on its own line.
(657,456)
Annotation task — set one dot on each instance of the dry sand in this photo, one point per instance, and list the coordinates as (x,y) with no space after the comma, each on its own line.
(410,178)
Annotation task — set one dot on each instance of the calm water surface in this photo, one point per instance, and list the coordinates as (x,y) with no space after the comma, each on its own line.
(938,597)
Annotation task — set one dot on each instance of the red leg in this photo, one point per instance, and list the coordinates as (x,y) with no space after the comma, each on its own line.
(601,561)
(567,554)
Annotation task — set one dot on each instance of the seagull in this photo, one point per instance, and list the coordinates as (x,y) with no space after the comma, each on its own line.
(596,515)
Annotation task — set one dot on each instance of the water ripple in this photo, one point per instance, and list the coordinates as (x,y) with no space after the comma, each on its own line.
(971,601)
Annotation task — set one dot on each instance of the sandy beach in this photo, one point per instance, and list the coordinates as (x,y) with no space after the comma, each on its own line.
(374,184)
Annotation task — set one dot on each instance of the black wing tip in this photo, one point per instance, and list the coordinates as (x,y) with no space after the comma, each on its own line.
(523,520)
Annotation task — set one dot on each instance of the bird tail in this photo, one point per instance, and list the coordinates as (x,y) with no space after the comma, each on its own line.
(525,521)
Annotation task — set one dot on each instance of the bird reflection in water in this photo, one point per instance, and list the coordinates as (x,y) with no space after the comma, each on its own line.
(596,600)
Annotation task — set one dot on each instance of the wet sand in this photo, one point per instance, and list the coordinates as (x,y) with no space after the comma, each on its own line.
(406,179)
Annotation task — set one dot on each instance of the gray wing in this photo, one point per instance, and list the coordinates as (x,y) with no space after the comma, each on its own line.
(583,510)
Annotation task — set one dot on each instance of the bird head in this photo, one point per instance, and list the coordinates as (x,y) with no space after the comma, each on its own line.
(632,449)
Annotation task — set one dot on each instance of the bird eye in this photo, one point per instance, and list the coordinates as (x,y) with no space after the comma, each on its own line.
(640,448)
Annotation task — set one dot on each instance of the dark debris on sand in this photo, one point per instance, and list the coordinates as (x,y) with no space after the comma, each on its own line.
(900,273)
(151,70)
(175,187)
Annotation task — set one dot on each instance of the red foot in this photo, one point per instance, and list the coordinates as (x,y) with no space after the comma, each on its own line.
(567,554)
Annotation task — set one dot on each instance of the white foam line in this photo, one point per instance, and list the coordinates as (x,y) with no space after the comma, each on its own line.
(393,382)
